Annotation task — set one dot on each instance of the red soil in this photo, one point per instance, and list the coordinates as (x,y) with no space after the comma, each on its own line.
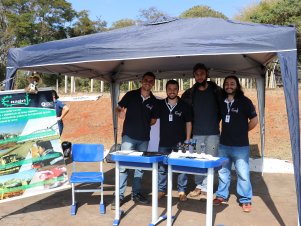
(91,121)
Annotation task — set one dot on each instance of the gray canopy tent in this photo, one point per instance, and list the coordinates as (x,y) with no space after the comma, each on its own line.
(170,47)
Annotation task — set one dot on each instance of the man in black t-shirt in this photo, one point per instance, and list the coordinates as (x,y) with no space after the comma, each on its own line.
(238,118)
(175,127)
(204,97)
(139,109)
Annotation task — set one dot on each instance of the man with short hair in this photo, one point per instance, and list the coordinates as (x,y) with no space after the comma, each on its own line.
(204,97)
(139,109)
(238,118)
(175,127)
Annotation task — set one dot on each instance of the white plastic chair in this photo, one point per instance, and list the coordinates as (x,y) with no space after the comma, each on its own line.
(87,153)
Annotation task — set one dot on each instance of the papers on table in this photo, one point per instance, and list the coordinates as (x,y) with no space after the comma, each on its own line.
(129,152)
(189,155)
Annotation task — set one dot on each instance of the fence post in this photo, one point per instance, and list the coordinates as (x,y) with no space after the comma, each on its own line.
(92,81)
(66,83)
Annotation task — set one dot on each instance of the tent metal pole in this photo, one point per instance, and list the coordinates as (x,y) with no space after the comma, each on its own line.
(114,87)
(115,91)
(260,85)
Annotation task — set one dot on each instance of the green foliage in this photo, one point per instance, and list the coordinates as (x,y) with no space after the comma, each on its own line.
(28,22)
(201,11)
(150,14)
(278,12)
(123,23)
(21,80)
(49,80)
(6,40)
(84,25)
(36,21)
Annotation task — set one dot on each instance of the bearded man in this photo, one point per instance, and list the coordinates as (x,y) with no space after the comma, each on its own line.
(204,97)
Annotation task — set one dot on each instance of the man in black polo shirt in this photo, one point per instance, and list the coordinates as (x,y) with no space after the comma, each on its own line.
(139,109)
(175,127)
(238,118)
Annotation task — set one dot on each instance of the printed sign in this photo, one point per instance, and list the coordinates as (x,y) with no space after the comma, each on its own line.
(31,157)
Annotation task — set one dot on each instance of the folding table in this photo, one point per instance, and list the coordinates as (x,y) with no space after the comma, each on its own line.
(192,165)
(134,160)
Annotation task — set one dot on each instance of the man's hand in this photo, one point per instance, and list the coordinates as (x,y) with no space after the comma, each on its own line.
(121,112)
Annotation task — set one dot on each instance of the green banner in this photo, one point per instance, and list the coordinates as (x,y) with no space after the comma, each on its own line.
(31,157)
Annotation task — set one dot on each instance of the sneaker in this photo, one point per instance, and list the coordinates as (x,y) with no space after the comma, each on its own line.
(182,196)
(113,205)
(218,201)
(196,192)
(246,207)
(139,198)
(161,194)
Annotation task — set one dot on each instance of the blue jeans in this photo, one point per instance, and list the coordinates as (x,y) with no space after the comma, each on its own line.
(211,147)
(162,175)
(61,126)
(131,144)
(240,157)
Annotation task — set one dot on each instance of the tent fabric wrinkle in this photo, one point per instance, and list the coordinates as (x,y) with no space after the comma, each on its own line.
(170,48)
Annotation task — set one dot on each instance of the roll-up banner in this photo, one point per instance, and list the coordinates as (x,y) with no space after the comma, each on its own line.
(31,157)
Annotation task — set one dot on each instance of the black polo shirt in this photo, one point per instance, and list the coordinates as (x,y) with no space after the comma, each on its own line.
(138,115)
(173,132)
(235,132)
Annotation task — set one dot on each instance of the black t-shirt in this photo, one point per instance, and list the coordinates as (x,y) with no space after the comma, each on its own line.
(173,131)
(138,115)
(235,132)
(205,112)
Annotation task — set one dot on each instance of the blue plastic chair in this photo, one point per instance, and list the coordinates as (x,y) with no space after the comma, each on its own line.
(87,153)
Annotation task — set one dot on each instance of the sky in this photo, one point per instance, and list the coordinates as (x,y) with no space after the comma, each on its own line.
(114,10)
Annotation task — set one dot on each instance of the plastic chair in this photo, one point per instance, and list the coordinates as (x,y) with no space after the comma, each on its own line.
(87,153)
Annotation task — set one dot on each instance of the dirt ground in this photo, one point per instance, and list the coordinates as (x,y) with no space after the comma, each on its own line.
(91,121)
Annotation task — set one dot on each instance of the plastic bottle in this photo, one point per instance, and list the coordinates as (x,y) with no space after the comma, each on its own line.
(203,147)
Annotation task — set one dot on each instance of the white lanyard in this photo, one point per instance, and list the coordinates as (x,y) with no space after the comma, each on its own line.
(170,108)
(229,104)
(144,98)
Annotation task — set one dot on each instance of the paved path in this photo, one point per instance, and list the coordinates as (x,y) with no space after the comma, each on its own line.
(274,203)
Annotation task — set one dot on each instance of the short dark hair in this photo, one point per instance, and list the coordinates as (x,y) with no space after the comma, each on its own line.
(55,94)
(150,74)
(46,144)
(238,91)
(173,82)
(200,66)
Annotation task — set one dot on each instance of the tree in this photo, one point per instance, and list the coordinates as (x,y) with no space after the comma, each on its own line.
(6,40)
(84,25)
(201,11)
(123,23)
(278,12)
(28,22)
(150,14)
(36,21)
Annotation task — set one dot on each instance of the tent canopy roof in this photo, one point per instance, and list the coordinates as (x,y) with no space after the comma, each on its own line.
(169,49)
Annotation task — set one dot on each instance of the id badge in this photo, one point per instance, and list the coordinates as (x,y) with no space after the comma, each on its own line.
(170,117)
(227,119)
